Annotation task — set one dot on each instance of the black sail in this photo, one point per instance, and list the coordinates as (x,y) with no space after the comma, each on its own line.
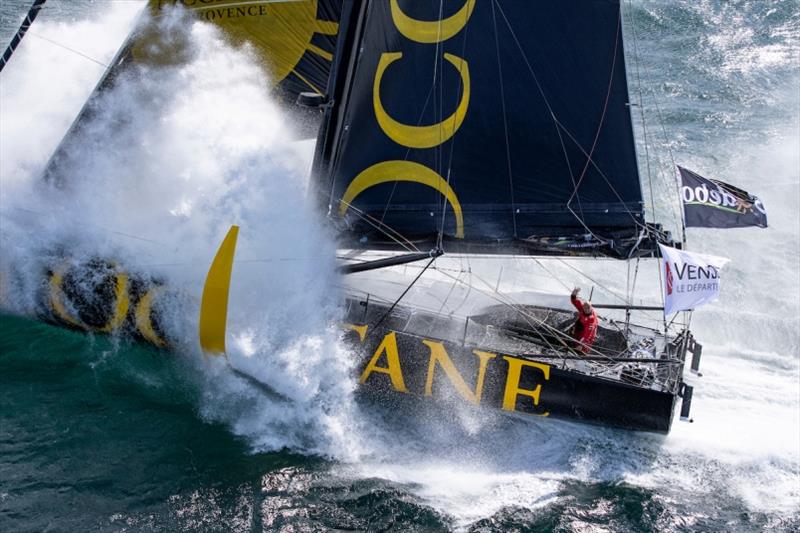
(504,128)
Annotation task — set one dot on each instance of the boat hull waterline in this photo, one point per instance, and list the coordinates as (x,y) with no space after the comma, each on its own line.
(394,358)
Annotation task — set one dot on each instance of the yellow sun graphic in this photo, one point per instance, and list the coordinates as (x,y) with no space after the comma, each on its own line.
(281,32)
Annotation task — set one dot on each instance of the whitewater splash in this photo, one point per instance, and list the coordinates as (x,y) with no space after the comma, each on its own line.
(744,445)
(735,115)
(171,158)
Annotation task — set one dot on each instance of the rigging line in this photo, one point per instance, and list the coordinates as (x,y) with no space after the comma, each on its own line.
(677,207)
(643,118)
(605,108)
(681,217)
(571,177)
(391,308)
(408,152)
(633,289)
(559,126)
(380,226)
(661,292)
(65,47)
(422,113)
(613,189)
(608,182)
(556,123)
(437,151)
(627,283)
(510,303)
(469,287)
(4,213)
(647,155)
(453,139)
(26,23)
(449,293)
(505,119)
(151,241)
(383,228)
(605,288)
(527,63)
(675,204)
(532,321)
(236,262)
(551,274)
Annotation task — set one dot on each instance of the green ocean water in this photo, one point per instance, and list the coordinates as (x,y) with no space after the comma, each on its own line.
(102,434)
(98,437)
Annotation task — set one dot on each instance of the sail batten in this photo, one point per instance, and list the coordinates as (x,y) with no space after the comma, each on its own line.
(511,125)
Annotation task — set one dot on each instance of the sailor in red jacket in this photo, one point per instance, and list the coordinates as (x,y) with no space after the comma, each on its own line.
(585,329)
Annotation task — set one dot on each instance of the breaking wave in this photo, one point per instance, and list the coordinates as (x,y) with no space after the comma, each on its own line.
(176,156)
(171,158)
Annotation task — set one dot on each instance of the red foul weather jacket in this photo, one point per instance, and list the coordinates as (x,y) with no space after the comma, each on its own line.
(585,329)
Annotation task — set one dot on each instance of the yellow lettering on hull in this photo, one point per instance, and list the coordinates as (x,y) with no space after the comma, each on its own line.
(512,390)
(143,317)
(392,368)
(57,300)
(439,356)
(120,305)
(361,330)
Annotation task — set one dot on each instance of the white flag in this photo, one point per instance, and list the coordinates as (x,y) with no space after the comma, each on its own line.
(690,279)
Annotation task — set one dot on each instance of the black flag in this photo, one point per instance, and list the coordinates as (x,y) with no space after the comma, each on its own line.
(715,204)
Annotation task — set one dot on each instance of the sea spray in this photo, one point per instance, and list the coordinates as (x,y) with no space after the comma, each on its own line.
(743,448)
(170,158)
(736,462)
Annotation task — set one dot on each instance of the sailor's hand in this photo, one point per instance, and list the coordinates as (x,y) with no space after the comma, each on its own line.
(575,291)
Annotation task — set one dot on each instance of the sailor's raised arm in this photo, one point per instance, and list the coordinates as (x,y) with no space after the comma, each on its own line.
(575,300)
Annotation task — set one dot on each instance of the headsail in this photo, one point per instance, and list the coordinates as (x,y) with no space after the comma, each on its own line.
(294,42)
(502,126)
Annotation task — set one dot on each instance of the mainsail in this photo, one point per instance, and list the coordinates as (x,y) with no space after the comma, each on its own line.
(484,126)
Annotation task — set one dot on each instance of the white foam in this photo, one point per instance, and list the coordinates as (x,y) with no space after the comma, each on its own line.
(172,158)
(44,85)
(197,162)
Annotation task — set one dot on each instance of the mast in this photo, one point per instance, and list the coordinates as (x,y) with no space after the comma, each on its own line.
(338,90)
(26,23)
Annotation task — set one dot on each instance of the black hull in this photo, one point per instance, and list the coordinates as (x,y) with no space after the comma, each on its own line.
(510,383)
(485,360)
(393,360)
